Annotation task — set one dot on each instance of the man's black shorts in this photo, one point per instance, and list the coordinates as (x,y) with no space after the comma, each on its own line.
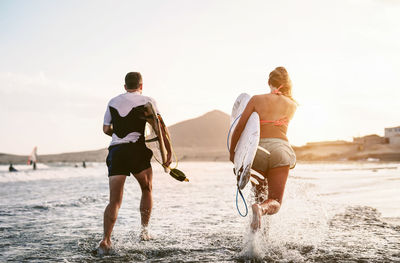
(123,159)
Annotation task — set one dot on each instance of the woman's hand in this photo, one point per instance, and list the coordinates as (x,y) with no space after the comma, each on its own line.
(232,156)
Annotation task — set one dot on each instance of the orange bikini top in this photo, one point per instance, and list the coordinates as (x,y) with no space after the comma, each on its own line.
(282,121)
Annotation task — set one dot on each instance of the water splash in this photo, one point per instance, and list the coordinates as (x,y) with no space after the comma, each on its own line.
(293,233)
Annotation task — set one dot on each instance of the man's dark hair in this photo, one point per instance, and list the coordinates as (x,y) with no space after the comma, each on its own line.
(133,80)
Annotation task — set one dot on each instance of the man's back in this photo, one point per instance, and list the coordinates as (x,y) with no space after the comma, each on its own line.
(123,111)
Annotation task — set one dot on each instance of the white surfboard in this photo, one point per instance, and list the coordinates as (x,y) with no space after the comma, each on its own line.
(155,141)
(247,145)
(153,137)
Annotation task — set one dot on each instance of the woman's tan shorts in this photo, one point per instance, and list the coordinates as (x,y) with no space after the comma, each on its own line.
(282,154)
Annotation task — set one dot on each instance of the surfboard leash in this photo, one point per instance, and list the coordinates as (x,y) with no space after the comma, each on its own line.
(244,201)
(238,190)
(173,154)
(174,172)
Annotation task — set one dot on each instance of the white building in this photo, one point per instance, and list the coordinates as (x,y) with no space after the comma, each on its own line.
(393,135)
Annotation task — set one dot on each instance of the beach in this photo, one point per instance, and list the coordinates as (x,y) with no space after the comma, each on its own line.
(332,212)
(320,78)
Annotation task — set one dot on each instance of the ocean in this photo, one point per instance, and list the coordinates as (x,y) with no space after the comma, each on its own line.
(331,212)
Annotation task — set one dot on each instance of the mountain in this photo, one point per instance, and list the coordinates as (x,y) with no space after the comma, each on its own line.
(208,130)
(202,138)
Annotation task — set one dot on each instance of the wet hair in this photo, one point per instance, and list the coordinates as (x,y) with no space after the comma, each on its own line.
(133,80)
(279,77)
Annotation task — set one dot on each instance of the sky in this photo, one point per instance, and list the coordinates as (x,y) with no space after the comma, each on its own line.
(62,61)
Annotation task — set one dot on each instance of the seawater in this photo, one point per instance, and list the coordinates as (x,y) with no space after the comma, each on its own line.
(347,212)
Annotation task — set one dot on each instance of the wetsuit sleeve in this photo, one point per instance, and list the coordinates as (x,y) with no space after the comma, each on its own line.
(107,116)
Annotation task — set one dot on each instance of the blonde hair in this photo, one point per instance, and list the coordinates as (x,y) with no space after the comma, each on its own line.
(279,77)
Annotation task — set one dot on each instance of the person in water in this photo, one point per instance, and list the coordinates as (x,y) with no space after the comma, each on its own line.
(275,109)
(33,158)
(11,168)
(124,121)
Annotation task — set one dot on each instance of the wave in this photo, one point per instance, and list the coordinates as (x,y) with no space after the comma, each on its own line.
(54,172)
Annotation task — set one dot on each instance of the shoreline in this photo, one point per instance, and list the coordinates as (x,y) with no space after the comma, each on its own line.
(18,160)
(219,160)
(317,152)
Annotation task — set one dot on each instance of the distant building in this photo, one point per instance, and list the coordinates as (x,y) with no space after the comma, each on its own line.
(393,135)
(370,140)
(328,143)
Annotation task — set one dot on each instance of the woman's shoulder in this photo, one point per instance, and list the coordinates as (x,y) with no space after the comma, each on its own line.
(258,99)
(262,96)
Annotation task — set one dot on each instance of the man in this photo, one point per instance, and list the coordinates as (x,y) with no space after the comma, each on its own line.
(124,121)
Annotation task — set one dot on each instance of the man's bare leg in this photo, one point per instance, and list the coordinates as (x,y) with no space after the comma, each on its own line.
(116,183)
(276,179)
(146,203)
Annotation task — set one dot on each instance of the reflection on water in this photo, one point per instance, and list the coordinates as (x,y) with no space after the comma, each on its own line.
(331,213)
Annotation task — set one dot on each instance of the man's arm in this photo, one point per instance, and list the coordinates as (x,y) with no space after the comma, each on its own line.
(107,129)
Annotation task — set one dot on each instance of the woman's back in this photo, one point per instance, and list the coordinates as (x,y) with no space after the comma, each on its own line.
(275,111)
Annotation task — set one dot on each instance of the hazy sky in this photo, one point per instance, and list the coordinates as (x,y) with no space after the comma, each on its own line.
(61,62)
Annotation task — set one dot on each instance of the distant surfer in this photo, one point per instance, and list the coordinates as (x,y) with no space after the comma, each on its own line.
(124,121)
(11,168)
(275,109)
(32,159)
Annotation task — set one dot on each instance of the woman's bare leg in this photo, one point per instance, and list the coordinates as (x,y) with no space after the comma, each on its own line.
(276,180)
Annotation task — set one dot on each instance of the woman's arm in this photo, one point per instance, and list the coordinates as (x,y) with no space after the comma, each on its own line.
(240,126)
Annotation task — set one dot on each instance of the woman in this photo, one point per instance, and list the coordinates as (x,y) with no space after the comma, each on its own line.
(275,109)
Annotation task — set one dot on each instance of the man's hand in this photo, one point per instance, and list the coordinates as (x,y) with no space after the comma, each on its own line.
(169,160)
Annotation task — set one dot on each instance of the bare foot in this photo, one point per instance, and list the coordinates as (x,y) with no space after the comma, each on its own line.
(144,235)
(104,248)
(256,222)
